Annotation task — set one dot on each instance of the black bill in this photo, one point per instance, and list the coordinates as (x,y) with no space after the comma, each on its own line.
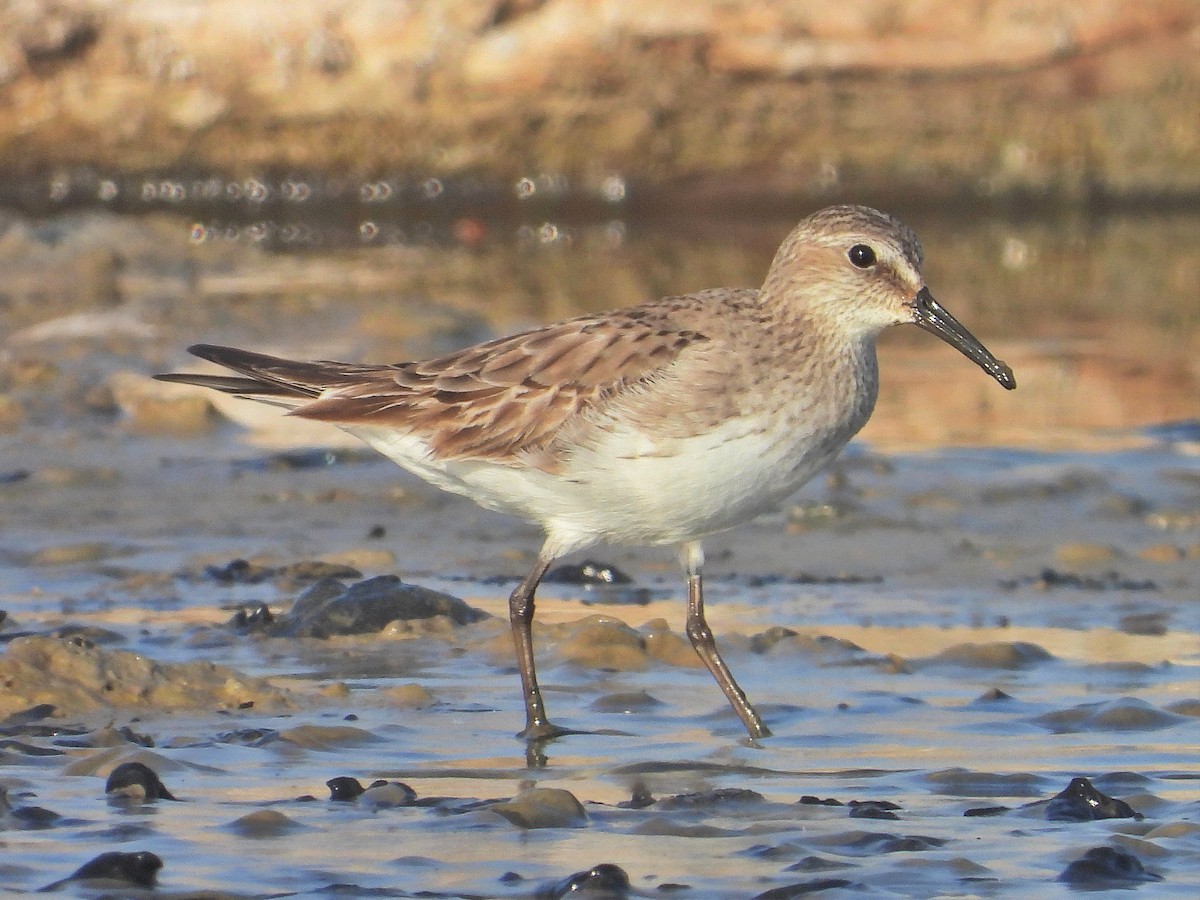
(932,316)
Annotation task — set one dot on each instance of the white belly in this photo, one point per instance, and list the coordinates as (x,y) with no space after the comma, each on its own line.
(625,489)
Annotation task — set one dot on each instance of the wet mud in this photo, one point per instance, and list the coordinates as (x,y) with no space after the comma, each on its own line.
(241,662)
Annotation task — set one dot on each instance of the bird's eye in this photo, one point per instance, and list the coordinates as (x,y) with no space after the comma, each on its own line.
(862,256)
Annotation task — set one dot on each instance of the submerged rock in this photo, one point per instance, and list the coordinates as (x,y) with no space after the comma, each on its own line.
(721,798)
(116,869)
(1103,866)
(263,823)
(1122,714)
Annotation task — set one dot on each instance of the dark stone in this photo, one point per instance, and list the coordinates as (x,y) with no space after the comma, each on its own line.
(639,799)
(1081,802)
(1049,579)
(588,573)
(329,608)
(137,774)
(260,618)
(238,571)
(810,800)
(803,889)
(1106,865)
(984,811)
(876,842)
(817,864)
(344,788)
(873,809)
(138,869)
(602,881)
(711,799)
(34,818)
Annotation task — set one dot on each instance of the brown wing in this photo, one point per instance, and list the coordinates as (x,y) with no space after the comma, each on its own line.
(501,399)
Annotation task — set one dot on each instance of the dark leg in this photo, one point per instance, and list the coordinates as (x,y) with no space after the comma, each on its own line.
(705,645)
(520,616)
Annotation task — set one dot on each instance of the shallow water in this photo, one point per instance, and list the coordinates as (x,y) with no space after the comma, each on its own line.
(1044,543)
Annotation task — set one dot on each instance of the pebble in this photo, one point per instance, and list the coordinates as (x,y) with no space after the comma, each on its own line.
(542,808)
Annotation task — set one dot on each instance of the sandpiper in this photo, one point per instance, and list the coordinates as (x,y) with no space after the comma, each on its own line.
(657,424)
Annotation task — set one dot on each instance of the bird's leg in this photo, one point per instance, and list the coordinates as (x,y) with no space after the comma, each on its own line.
(705,644)
(520,616)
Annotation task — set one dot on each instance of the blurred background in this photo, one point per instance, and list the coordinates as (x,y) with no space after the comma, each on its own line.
(380,180)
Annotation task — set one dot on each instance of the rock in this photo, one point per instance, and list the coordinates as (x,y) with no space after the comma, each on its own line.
(77,678)
(137,782)
(115,869)
(385,794)
(1107,866)
(408,696)
(720,798)
(327,737)
(1081,802)
(330,608)
(542,808)
(600,642)
(263,823)
(588,573)
(998,655)
(804,888)
(1124,714)
(344,788)
(668,647)
(379,794)
(606,880)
